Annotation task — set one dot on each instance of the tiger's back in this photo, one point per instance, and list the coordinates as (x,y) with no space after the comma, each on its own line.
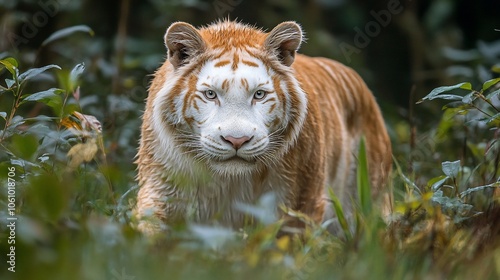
(235,113)
(348,111)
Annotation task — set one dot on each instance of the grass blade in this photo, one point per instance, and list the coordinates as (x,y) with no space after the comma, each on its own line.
(66,32)
(339,212)
(364,193)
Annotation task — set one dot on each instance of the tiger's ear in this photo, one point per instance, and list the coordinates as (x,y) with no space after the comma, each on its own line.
(284,40)
(183,41)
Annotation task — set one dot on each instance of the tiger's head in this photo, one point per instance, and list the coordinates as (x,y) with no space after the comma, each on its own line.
(230,99)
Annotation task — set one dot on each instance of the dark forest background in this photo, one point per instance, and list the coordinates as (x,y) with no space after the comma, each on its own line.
(415,48)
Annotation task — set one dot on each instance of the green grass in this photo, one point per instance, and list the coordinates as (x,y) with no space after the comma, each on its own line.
(59,237)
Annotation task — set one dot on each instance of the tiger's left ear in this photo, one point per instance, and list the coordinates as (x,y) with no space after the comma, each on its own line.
(284,40)
(183,42)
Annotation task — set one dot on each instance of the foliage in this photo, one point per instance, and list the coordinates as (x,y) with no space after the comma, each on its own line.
(478,110)
(454,214)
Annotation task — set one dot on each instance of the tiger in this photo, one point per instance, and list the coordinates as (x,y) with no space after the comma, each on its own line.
(235,113)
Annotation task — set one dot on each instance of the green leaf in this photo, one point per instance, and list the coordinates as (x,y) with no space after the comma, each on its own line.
(9,82)
(66,32)
(490,83)
(12,61)
(48,196)
(493,94)
(23,163)
(458,105)
(24,146)
(41,118)
(452,207)
(10,64)
(495,120)
(69,109)
(75,74)
(212,237)
(435,93)
(451,169)
(35,72)
(406,180)
(16,122)
(469,98)
(44,158)
(364,193)
(339,212)
(45,95)
(480,188)
(448,97)
(437,182)
(496,68)
(263,211)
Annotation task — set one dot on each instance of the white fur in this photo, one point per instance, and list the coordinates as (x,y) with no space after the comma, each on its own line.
(218,181)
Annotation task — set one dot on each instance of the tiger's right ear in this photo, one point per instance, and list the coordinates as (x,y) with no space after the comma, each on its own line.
(183,41)
(284,41)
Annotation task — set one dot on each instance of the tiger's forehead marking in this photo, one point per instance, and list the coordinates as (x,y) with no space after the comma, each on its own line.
(237,68)
(222,63)
(236,61)
(249,63)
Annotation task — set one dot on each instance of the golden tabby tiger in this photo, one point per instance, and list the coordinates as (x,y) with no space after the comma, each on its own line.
(235,112)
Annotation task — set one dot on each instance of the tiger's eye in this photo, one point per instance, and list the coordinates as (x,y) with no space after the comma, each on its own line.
(259,94)
(210,94)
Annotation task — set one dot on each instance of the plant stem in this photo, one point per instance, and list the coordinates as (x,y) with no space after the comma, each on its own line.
(455,187)
(477,108)
(15,105)
(62,108)
(121,44)
(482,97)
(56,146)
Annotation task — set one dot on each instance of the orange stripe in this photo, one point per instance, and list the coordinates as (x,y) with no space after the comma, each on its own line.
(222,63)
(225,85)
(199,98)
(195,105)
(269,100)
(189,97)
(174,93)
(272,108)
(273,123)
(279,92)
(201,122)
(244,82)
(236,60)
(250,63)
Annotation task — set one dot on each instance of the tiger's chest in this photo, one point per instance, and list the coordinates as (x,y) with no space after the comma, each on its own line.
(228,200)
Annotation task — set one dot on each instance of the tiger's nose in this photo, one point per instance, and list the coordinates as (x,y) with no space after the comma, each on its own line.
(236,142)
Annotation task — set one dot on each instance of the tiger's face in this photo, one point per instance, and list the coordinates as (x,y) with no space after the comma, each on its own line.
(234,109)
